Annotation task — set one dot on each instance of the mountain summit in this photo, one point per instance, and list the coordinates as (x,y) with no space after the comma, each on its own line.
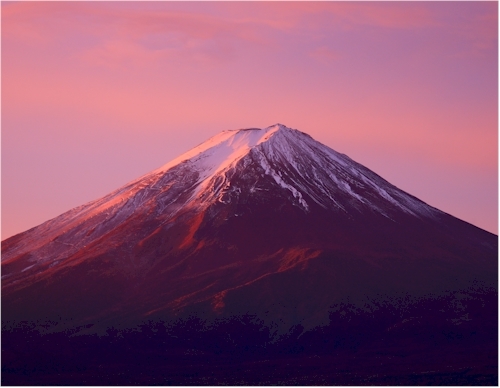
(263,223)
(295,162)
(237,168)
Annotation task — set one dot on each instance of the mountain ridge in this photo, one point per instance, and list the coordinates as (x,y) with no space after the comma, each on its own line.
(243,206)
(210,184)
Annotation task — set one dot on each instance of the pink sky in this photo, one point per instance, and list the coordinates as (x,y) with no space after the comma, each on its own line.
(97,94)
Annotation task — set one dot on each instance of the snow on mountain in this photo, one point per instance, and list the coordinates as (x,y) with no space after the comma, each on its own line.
(296,163)
(277,159)
(223,149)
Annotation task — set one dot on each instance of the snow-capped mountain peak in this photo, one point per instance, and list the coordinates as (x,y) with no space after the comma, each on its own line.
(303,170)
(245,167)
(225,148)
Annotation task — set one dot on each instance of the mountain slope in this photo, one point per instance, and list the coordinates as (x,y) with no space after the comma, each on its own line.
(268,222)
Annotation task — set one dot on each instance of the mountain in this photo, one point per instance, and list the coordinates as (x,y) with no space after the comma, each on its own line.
(267,223)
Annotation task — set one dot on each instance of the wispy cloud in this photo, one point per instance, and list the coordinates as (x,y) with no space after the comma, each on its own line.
(133,35)
(136,35)
(325,54)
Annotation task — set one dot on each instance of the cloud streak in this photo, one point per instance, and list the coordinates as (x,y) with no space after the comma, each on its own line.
(119,34)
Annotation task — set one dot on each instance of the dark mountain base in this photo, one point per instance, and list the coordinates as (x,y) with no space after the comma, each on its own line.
(425,345)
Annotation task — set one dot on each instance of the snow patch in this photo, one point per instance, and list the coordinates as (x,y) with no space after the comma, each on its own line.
(27,268)
(277,178)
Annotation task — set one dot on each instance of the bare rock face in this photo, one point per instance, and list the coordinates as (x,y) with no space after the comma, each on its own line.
(267,222)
